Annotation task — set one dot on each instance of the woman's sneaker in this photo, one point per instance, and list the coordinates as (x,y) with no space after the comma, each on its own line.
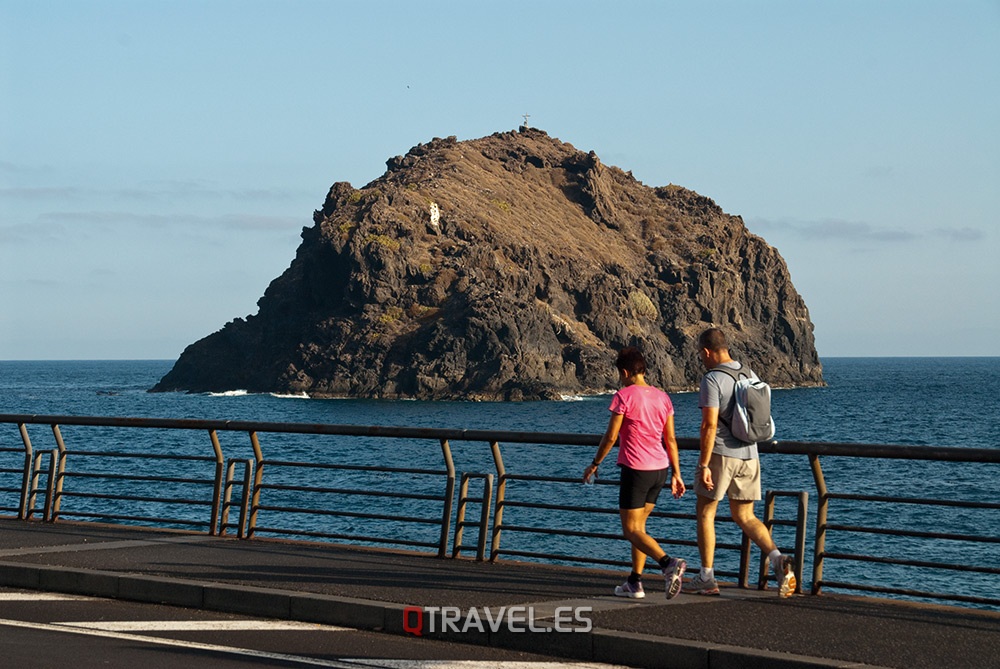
(674,573)
(626,589)
(702,586)
(785,573)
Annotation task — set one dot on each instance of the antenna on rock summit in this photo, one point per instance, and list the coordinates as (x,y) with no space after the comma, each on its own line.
(525,119)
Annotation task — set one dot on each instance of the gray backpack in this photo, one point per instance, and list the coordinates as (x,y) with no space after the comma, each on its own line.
(751,419)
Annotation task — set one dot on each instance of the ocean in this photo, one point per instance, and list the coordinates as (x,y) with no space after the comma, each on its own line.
(914,401)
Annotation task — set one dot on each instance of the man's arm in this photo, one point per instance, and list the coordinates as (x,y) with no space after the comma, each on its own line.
(709,427)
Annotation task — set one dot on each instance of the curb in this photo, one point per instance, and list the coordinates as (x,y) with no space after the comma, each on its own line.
(594,645)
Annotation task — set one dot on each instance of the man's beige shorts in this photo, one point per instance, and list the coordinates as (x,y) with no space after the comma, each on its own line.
(740,479)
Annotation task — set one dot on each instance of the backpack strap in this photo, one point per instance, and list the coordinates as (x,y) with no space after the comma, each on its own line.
(734,374)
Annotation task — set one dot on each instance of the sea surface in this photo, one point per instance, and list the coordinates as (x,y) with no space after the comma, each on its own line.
(912,401)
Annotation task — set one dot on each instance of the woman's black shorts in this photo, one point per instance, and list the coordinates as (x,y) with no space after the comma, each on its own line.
(640,487)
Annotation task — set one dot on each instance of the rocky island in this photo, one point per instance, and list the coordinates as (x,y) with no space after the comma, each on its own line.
(510,267)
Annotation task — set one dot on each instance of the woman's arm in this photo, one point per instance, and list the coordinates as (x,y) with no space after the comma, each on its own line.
(607,443)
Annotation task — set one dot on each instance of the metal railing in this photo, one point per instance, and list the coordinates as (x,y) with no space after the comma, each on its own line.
(243,492)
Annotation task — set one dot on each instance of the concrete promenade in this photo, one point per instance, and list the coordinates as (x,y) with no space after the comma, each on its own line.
(371,588)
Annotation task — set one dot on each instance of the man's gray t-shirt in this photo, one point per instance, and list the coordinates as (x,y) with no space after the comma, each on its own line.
(717,391)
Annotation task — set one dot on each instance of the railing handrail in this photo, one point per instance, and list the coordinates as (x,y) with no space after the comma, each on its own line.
(892,451)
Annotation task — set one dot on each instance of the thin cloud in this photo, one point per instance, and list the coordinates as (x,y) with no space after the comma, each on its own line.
(960,234)
(244,222)
(26,233)
(172,190)
(837,230)
(166,191)
(40,193)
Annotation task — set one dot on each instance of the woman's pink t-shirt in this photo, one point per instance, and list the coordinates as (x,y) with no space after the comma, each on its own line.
(640,440)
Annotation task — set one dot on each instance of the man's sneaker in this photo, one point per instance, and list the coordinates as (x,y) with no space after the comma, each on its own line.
(702,586)
(626,589)
(785,573)
(674,573)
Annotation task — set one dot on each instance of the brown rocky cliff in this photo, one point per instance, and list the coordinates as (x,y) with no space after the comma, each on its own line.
(508,267)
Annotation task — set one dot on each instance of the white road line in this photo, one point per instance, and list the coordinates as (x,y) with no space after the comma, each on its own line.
(479,664)
(202,625)
(106,545)
(40,597)
(230,650)
(347,663)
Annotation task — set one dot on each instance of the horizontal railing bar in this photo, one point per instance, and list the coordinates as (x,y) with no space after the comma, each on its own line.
(348,491)
(559,507)
(971,599)
(911,452)
(588,560)
(131,498)
(354,537)
(556,479)
(590,509)
(367,468)
(153,519)
(350,514)
(567,558)
(134,477)
(310,428)
(912,563)
(889,451)
(139,456)
(597,535)
(915,500)
(914,533)
(562,533)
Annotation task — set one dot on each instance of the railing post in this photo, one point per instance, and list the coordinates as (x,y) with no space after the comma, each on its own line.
(770,521)
(50,485)
(762,573)
(59,475)
(215,522)
(26,475)
(745,547)
(227,497)
(36,472)
(822,504)
(258,478)
(501,491)
(484,518)
(463,495)
(484,514)
(800,537)
(449,496)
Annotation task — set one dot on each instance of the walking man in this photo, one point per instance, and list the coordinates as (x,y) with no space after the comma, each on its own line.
(727,467)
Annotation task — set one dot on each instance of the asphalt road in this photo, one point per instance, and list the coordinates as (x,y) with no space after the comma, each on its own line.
(43,630)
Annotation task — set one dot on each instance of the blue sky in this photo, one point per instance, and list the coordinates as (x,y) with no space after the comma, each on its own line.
(158,159)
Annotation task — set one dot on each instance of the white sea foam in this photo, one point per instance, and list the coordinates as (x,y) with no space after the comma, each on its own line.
(229,393)
(292,396)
